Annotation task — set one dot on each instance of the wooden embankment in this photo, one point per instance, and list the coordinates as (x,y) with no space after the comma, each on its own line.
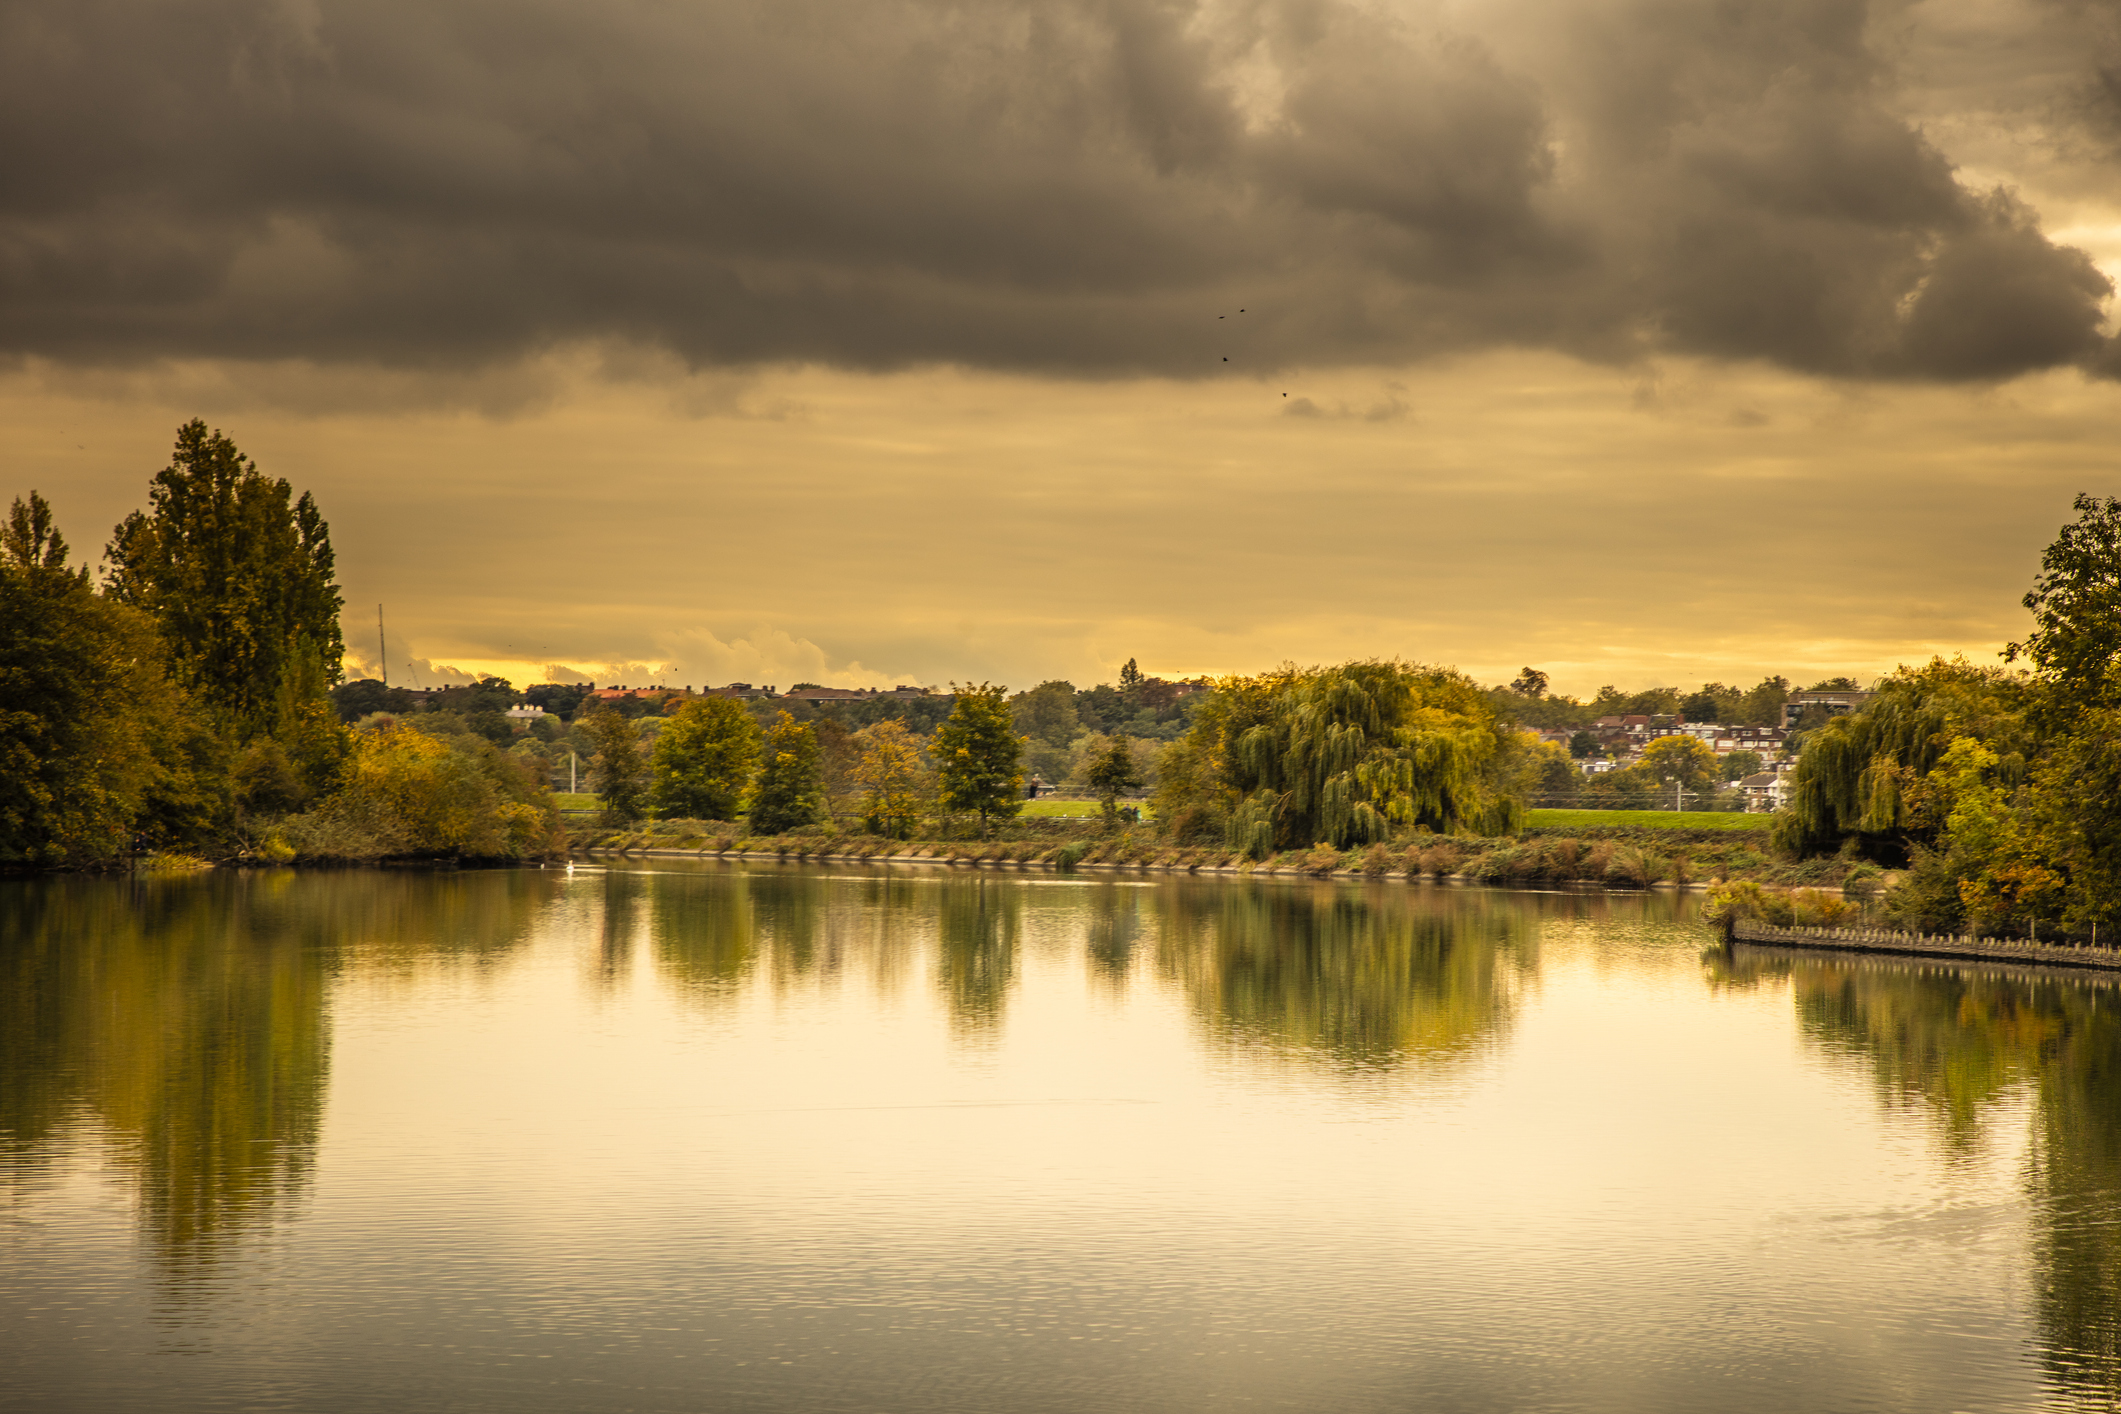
(2019,950)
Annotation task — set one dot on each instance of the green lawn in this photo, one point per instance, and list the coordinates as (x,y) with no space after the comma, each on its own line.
(584,801)
(1075,809)
(1646,819)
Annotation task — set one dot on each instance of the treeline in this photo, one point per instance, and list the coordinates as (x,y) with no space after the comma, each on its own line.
(1997,788)
(1527,700)
(183,707)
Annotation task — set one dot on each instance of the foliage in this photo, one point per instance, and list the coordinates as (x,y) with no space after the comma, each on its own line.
(1740,764)
(789,792)
(976,755)
(1866,773)
(238,580)
(704,759)
(97,743)
(562,700)
(1647,819)
(895,782)
(1114,771)
(1047,713)
(411,793)
(2076,606)
(1347,755)
(618,767)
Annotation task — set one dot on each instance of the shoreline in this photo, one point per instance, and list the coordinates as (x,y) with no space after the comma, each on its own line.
(1046,866)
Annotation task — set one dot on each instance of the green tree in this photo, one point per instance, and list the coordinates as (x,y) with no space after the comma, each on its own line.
(1685,762)
(1530,682)
(1130,677)
(238,578)
(96,741)
(1740,764)
(616,763)
(704,759)
(1047,713)
(976,754)
(2076,605)
(1347,755)
(790,790)
(1762,707)
(1112,772)
(895,784)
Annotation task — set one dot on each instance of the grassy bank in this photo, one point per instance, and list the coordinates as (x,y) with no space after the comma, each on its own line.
(1646,820)
(1622,856)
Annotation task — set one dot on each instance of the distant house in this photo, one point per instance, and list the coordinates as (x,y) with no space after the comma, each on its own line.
(1837,704)
(743,691)
(523,716)
(823,695)
(1763,791)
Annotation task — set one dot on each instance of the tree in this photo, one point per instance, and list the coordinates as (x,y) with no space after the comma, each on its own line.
(704,759)
(616,763)
(1740,764)
(895,783)
(790,792)
(1714,703)
(237,577)
(1130,677)
(1583,744)
(2076,605)
(1347,755)
(1762,707)
(96,741)
(976,754)
(1530,682)
(1112,772)
(1683,761)
(1047,713)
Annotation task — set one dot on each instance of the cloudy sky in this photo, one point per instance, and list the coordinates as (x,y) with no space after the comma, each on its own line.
(1646,341)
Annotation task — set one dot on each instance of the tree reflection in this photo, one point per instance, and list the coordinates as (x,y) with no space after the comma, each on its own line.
(977,921)
(1364,979)
(187,1017)
(1957,1039)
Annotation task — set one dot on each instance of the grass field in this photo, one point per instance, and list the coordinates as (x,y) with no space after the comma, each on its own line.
(1074,809)
(1646,819)
(584,801)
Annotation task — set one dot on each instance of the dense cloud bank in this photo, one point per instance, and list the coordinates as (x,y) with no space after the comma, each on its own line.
(1076,186)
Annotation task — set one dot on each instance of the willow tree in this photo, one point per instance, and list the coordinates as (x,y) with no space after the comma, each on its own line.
(1347,755)
(1868,773)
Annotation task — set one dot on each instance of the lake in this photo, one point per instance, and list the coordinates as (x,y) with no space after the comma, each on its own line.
(693,1136)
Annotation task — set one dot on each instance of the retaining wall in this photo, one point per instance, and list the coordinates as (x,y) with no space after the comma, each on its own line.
(1926,945)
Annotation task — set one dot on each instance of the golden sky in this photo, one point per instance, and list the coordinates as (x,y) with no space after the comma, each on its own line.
(1643,342)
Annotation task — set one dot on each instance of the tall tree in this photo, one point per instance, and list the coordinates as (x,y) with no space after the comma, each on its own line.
(704,758)
(617,765)
(96,742)
(976,754)
(2076,604)
(790,790)
(1530,682)
(1112,772)
(895,783)
(237,575)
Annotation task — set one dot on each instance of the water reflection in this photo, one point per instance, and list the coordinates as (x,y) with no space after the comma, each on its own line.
(1956,1041)
(1364,979)
(186,1019)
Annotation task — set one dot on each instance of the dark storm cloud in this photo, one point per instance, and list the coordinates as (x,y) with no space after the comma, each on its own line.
(1069,186)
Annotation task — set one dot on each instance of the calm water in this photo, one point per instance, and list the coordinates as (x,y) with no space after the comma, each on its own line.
(751,1138)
